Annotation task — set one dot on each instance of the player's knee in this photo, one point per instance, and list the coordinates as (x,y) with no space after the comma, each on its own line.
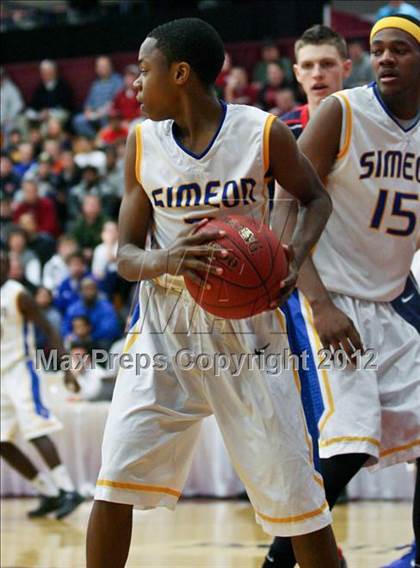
(110,509)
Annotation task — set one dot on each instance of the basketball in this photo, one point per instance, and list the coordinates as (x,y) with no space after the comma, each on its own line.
(252,271)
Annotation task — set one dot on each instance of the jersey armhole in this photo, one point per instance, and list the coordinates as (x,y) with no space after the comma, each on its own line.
(266,143)
(346,125)
(139,152)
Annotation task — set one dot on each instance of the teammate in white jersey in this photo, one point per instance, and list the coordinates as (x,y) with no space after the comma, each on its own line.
(22,408)
(365,142)
(198,158)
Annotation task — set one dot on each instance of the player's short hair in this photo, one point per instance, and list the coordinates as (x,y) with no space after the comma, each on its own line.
(322,35)
(194,41)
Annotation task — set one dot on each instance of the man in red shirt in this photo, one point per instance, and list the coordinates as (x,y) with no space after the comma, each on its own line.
(42,208)
(125,100)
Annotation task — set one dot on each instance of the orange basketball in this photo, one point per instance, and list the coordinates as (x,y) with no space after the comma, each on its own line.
(252,271)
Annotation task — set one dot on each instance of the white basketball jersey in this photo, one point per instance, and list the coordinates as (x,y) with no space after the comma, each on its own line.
(368,244)
(17,334)
(227,178)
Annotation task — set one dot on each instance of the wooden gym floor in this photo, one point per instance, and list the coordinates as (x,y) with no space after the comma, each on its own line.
(200,534)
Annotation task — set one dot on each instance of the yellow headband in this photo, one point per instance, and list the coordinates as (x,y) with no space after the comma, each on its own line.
(395,22)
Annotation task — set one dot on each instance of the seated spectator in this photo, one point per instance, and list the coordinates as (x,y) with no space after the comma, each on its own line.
(113,131)
(285,102)
(11,101)
(9,180)
(125,102)
(68,291)
(99,99)
(81,330)
(53,96)
(44,299)
(92,184)
(17,272)
(53,130)
(42,174)
(85,154)
(270,53)
(361,70)
(53,149)
(56,269)
(276,80)
(70,173)
(42,208)
(114,173)
(24,159)
(41,243)
(88,228)
(238,90)
(105,254)
(88,376)
(13,141)
(35,137)
(17,243)
(101,313)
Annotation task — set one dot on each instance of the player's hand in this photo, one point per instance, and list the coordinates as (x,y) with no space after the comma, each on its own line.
(289,283)
(71,382)
(336,330)
(194,254)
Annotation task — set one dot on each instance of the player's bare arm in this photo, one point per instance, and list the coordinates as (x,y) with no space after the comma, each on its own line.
(31,311)
(294,172)
(187,255)
(320,143)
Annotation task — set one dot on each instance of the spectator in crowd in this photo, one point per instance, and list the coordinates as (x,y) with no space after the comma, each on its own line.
(398,7)
(35,137)
(101,313)
(238,90)
(53,97)
(99,99)
(125,101)
(87,229)
(53,149)
(24,159)
(54,130)
(105,254)
(276,80)
(68,292)
(92,184)
(41,243)
(11,101)
(285,101)
(223,75)
(6,221)
(114,172)
(81,329)
(56,269)
(10,181)
(17,243)
(270,53)
(88,376)
(85,154)
(17,272)
(44,299)
(361,72)
(41,173)
(42,208)
(113,131)
(70,173)
(12,143)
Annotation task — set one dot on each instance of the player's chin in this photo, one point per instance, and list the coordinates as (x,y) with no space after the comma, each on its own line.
(390,88)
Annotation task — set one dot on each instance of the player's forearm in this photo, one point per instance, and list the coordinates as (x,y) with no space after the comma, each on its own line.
(135,264)
(310,283)
(312,218)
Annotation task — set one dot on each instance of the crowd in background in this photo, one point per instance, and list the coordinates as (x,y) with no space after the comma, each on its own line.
(62,182)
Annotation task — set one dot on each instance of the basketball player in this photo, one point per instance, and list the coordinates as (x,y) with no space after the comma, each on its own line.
(198,158)
(22,408)
(371,135)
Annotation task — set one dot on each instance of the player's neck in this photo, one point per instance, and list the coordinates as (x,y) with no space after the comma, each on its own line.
(404,105)
(312,106)
(197,121)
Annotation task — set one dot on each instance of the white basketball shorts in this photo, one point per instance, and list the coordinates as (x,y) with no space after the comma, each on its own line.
(22,407)
(191,365)
(375,407)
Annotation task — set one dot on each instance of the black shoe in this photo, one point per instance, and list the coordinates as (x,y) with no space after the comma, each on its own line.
(68,502)
(46,505)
